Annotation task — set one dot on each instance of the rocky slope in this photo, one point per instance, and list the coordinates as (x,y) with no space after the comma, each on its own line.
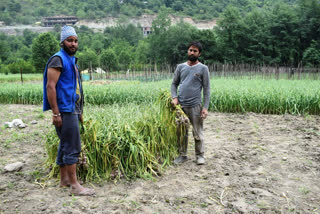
(144,21)
(100,25)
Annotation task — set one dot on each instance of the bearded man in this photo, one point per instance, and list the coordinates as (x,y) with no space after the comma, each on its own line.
(191,77)
(62,93)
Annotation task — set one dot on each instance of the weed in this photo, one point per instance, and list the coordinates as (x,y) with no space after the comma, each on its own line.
(251,202)
(304,190)
(36,175)
(19,173)
(262,204)
(291,209)
(255,125)
(70,203)
(11,185)
(193,204)
(135,204)
(258,147)
(36,133)
(40,116)
(204,205)
(7,143)
(307,116)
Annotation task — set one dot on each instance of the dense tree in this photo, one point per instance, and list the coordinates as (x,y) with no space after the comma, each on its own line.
(88,59)
(129,33)
(159,35)
(24,53)
(161,24)
(28,37)
(4,69)
(44,46)
(125,59)
(4,50)
(257,33)
(174,48)
(311,55)
(14,7)
(108,60)
(309,23)
(177,6)
(21,66)
(119,45)
(141,52)
(284,35)
(230,35)
(208,39)
(97,46)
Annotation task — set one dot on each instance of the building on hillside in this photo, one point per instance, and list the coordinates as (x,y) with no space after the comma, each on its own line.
(59,20)
(146,31)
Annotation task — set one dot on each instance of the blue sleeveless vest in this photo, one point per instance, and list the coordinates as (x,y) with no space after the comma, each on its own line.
(66,85)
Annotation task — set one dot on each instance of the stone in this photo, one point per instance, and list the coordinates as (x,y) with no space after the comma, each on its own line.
(34,122)
(13,167)
(16,122)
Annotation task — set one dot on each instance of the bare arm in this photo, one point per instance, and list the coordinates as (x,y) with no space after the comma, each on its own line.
(53,75)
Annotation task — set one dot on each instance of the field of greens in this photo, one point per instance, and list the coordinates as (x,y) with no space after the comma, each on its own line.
(17,77)
(227,95)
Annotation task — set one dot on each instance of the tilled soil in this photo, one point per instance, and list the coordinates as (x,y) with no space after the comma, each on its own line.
(254,164)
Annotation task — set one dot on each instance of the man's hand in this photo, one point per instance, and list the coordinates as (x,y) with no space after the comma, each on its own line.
(57,121)
(175,101)
(81,119)
(204,113)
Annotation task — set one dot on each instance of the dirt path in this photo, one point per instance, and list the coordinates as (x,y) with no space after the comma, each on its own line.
(255,164)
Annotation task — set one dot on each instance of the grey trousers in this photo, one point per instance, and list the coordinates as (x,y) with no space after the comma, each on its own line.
(194,115)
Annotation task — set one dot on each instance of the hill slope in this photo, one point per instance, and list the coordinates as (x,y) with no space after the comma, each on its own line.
(31,11)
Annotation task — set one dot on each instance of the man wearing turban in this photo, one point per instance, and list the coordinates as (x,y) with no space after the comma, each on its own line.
(62,93)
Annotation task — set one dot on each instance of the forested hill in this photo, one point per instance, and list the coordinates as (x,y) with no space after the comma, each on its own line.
(31,11)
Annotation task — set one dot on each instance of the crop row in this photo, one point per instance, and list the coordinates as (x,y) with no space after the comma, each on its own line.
(227,95)
(17,77)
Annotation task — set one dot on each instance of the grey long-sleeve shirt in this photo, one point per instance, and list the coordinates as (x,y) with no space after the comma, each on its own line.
(190,80)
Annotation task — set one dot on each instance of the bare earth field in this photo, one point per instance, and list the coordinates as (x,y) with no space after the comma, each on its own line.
(254,164)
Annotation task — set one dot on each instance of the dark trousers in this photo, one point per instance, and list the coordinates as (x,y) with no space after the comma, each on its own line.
(69,135)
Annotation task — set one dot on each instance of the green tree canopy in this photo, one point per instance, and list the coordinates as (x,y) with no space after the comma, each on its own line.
(43,47)
(108,60)
(88,59)
(311,55)
(141,52)
(21,66)
(4,50)
(230,35)
(256,29)
(129,33)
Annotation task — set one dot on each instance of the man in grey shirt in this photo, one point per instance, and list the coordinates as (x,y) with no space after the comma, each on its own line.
(189,79)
